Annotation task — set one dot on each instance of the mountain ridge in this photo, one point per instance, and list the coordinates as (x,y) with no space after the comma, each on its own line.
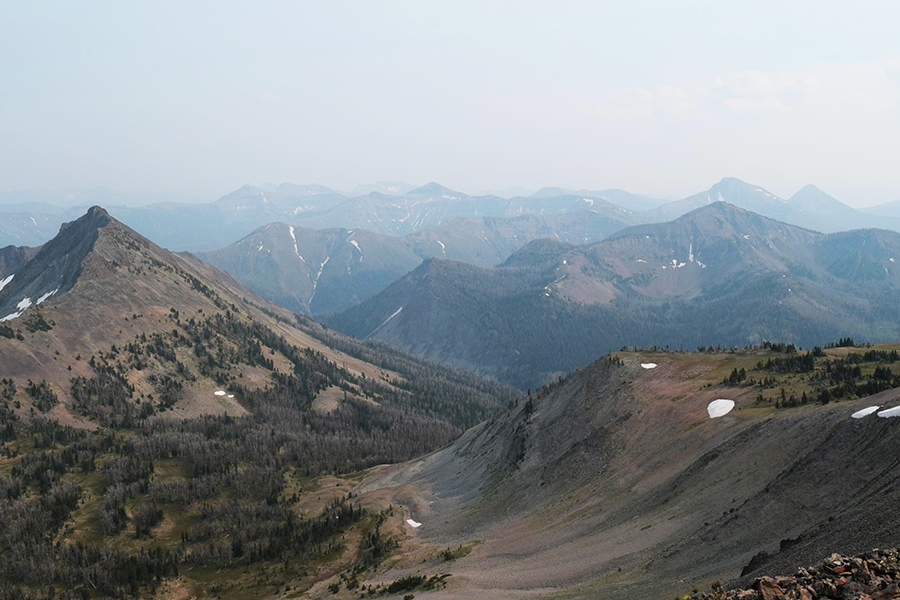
(755,278)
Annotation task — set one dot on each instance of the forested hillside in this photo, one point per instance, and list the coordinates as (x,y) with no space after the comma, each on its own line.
(188,433)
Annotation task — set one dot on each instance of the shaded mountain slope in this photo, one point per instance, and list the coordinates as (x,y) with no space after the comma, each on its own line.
(719,275)
(615,483)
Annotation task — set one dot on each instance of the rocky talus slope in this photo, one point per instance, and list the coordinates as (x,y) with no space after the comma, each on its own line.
(870,576)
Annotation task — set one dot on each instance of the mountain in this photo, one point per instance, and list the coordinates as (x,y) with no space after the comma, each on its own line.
(313,270)
(327,270)
(810,207)
(12,258)
(160,418)
(204,226)
(719,275)
(388,188)
(614,483)
(888,209)
(627,200)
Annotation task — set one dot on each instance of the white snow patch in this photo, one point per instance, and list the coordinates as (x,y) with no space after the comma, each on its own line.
(397,312)
(676,264)
(4,282)
(219,392)
(641,260)
(231,395)
(45,296)
(746,237)
(691,252)
(648,365)
(719,408)
(865,412)
(588,200)
(293,237)
(33,221)
(443,247)
(721,199)
(646,237)
(891,412)
(260,248)
(355,245)
(413,523)
(1,287)
(565,262)
(22,305)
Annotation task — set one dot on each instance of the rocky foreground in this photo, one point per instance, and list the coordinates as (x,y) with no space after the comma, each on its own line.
(871,576)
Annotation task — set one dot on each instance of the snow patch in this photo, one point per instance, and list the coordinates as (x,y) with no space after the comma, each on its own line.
(865,412)
(588,200)
(397,312)
(648,365)
(219,392)
(231,395)
(293,237)
(719,408)
(33,221)
(891,412)
(413,524)
(746,237)
(443,247)
(45,296)
(4,282)
(721,199)
(641,260)
(1,286)
(22,306)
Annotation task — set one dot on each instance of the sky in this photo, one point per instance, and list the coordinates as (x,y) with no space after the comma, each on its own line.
(660,98)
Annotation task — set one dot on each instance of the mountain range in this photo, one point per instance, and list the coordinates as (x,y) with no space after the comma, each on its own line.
(327,270)
(720,275)
(164,430)
(389,208)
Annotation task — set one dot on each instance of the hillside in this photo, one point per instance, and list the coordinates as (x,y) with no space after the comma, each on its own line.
(159,418)
(319,271)
(717,276)
(615,482)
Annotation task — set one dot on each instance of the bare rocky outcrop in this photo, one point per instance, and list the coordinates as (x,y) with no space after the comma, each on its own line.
(870,576)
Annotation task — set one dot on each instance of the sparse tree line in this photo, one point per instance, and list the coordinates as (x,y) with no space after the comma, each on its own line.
(226,475)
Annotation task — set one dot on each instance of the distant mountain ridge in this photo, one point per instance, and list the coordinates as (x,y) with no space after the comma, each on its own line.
(718,275)
(393,208)
(327,270)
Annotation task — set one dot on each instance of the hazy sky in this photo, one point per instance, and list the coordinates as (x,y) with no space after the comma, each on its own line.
(662,98)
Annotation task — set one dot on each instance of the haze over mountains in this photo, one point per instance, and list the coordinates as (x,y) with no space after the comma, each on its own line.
(30,218)
(159,413)
(328,270)
(719,275)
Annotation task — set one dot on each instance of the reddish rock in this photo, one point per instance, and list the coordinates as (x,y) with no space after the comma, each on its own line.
(769,589)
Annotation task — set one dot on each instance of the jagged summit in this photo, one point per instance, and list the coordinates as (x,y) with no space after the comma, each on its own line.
(56,267)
